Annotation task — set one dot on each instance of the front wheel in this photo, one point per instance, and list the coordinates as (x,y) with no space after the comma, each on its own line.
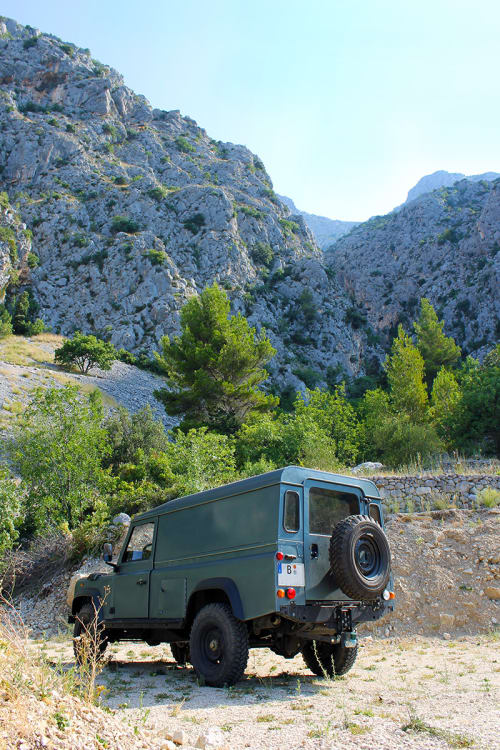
(328,660)
(218,645)
(89,638)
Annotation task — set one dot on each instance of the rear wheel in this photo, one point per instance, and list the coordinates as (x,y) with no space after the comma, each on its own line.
(218,645)
(89,638)
(328,660)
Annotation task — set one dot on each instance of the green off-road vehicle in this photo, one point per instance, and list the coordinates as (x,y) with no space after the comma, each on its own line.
(291,560)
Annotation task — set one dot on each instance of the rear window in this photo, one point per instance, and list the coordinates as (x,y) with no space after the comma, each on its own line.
(291,521)
(328,507)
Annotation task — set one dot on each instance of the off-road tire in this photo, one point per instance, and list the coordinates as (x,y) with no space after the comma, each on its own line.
(84,622)
(327,660)
(360,557)
(218,645)
(180,653)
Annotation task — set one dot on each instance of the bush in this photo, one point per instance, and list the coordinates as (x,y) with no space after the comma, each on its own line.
(10,508)
(183,144)
(195,223)
(399,442)
(125,356)
(355,318)
(31,42)
(85,352)
(157,257)
(489,497)
(134,435)
(262,254)
(5,322)
(33,260)
(123,224)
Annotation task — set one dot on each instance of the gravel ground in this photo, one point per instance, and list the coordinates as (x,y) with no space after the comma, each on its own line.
(448,689)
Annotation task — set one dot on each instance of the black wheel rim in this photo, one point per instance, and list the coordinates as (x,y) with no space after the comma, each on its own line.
(212,645)
(367,556)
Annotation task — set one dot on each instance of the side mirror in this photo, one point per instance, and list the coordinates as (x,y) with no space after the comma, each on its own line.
(107,552)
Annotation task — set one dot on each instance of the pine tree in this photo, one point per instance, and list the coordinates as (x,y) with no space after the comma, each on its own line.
(215,366)
(405,373)
(445,400)
(436,348)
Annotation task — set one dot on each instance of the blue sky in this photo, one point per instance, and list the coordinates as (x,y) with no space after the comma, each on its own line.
(347,102)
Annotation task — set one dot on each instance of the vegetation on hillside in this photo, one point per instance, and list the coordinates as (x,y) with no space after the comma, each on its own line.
(78,468)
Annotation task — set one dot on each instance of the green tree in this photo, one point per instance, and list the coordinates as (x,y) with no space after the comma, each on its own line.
(405,371)
(5,322)
(57,449)
(436,348)
(445,400)
(20,319)
(10,509)
(86,352)
(478,422)
(336,417)
(215,366)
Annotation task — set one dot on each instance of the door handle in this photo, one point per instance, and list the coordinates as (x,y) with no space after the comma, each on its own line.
(141,582)
(290,557)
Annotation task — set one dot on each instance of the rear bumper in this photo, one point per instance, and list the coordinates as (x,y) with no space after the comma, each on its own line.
(337,616)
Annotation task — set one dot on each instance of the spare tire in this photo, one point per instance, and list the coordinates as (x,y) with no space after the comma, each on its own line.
(360,557)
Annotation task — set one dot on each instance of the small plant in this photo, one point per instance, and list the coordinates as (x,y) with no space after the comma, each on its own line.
(157,257)
(262,254)
(61,720)
(489,497)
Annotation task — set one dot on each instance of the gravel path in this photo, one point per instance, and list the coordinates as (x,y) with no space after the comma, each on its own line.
(450,690)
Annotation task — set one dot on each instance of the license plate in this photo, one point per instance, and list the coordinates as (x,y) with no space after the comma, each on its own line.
(291,574)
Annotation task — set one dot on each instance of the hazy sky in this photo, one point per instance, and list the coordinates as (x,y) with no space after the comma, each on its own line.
(347,102)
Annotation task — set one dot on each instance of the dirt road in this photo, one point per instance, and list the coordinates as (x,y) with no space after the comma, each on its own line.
(448,691)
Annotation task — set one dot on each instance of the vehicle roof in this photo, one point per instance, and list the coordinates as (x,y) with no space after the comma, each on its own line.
(294,475)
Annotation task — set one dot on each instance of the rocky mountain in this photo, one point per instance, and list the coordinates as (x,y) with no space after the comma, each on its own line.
(441,179)
(133,209)
(325,230)
(443,245)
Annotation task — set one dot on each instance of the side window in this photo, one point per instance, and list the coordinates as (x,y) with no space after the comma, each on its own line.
(375,513)
(291,517)
(140,544)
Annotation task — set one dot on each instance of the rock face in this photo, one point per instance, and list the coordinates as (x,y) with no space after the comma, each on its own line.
(133,210)
(443,245)
(15,247)
(441,179)
(325,230)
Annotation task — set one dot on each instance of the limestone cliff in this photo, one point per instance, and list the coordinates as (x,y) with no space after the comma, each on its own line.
(134,209)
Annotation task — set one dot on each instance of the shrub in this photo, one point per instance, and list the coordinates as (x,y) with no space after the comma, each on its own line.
(489,497)
(10,509)
(195,223)
(308,375)
(183,144)
(157,193)
(157,257)
(355,317)
(85,352)
(70,128)
(123,224)
(125,356)
(5,322)
(120,180)
(289,227)
(33,260)
(250,211)
(262,253)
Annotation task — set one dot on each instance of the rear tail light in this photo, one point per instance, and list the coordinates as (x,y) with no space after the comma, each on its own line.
(279,556)
(290,593)
(280,594)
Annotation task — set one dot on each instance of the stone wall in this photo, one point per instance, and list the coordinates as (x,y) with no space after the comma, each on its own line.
(427,492)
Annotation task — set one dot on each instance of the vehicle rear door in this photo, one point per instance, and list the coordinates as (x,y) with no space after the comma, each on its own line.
(325,504)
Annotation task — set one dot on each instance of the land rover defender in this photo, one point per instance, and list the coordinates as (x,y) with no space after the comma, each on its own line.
(292,560)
